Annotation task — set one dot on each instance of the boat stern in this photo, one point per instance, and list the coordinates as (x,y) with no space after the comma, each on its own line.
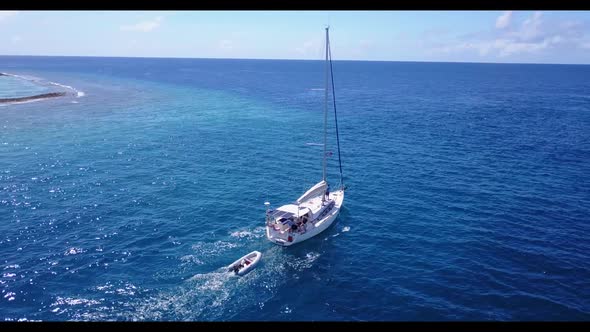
(282,239)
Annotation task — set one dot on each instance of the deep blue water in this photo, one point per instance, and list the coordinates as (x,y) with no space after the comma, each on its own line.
(468,199)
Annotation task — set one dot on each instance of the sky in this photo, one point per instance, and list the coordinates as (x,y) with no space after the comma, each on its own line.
(456,36)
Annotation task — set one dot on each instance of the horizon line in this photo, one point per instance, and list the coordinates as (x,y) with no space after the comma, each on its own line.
(267,59)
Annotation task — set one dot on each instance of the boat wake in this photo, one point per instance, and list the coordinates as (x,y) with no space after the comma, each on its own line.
(205,296)
(305,262)
(258,232)
(200,287)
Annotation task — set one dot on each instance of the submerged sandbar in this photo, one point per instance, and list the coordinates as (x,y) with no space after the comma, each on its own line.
(35,97)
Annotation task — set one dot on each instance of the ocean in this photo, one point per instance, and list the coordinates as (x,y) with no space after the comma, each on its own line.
(468,190)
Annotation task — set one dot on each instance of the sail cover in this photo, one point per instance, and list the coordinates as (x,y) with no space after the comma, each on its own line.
(318,189)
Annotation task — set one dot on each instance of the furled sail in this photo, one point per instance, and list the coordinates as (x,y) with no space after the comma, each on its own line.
(318,189)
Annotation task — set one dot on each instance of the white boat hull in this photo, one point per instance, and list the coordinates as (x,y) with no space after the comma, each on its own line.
(253,258)
(318,226)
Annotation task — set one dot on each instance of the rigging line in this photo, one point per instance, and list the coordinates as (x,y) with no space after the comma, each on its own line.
(335,116)
(324,161)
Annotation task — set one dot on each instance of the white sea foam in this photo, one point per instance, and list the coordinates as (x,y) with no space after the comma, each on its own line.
(28,78)
(241,234)
(206,292)
(191,259)
(211,295)
(74,251)
(60,301)
(13,266)
(62,85)
(304,263)
(256,233)
(78,92)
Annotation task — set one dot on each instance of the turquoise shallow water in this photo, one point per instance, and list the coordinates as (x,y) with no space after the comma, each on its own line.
(468,191)
(14,87)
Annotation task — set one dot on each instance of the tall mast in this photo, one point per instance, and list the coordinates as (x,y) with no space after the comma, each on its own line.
(326,104)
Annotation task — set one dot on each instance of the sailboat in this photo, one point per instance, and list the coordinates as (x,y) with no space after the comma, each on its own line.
(318,207)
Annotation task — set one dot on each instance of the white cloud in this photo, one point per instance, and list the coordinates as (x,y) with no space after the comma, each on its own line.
(501,47)
(507,48)
(531,27)
(503,20)
(309,48)
(145,26)
(226,45)
(16,39)
(364,44)
(532,36)
(4,14)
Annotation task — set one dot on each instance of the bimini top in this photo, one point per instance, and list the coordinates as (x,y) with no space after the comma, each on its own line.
(288,211)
